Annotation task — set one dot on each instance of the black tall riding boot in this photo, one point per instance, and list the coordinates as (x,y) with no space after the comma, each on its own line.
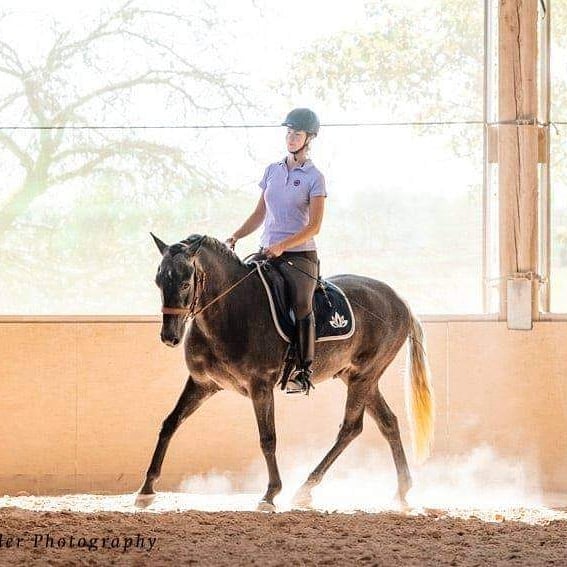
(300,383)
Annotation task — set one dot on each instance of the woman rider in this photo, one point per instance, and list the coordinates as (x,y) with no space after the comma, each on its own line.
(291,209)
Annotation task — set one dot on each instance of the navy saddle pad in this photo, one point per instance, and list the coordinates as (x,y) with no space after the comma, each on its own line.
(334,318)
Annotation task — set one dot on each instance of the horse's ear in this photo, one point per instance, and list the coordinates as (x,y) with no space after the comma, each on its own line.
(161,245)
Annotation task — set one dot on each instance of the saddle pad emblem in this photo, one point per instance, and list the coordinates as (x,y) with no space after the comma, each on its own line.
(338,321)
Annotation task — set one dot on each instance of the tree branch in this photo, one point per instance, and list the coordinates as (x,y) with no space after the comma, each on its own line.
(84,170)
(11,60)
(9,99)
(23,157)
(65,52)
(142,151)
(8,71)
(60,117)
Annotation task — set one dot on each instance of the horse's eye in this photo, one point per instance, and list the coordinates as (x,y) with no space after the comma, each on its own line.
(185,286)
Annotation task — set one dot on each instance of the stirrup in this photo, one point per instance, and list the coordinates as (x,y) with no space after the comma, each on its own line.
(300,383)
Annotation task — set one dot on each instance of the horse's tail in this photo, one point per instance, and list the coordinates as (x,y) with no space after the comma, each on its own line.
(419,397)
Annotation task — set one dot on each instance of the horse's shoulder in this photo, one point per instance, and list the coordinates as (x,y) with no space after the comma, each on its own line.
(196,344)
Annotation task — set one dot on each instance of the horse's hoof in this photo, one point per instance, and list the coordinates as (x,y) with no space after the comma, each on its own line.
(144,500)
(264,506)
(302,500)
(402,503)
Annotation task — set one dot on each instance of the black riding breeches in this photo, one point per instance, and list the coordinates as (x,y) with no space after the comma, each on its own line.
(301,286)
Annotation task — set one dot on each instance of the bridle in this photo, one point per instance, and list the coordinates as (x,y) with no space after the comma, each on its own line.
(198,288)
(199,279)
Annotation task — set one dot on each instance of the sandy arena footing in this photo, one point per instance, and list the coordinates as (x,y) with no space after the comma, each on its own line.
(108,530)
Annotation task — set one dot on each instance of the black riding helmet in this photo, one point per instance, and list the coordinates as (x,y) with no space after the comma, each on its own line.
(302,119)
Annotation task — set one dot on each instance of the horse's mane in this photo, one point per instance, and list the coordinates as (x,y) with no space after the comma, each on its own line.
(210,242)
(181,247)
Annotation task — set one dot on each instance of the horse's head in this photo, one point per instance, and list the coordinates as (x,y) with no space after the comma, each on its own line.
(177,280)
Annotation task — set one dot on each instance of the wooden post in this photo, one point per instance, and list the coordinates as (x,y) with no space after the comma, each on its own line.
(518,146)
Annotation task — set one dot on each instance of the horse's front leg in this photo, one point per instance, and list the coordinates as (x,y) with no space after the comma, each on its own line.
(193,395)
(263,400)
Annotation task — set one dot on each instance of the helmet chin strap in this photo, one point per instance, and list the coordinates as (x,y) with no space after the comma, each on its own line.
(307,139)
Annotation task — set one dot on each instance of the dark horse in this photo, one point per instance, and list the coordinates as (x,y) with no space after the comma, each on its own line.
(232,344)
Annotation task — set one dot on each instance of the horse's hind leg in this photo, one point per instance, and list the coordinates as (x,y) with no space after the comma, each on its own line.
(388,425)
(191,398)
(350,429)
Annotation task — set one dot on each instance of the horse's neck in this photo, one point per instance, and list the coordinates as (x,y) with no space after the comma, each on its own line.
(220,275)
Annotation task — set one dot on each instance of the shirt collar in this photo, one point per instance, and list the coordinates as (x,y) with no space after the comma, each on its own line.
(308,164)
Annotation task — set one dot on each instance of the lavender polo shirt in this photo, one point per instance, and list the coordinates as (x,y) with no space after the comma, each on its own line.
(287,195)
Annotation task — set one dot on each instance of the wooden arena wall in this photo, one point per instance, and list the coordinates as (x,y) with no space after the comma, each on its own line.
(82,403)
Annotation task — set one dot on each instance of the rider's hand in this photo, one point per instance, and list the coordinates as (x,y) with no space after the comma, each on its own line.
(231,242)
(274,250)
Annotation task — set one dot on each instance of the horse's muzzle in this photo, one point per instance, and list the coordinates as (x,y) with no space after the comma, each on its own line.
(170,339)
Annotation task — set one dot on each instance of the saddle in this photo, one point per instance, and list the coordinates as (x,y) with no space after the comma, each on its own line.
(334,318)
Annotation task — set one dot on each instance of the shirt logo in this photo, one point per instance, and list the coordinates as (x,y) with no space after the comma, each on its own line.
(296,183)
